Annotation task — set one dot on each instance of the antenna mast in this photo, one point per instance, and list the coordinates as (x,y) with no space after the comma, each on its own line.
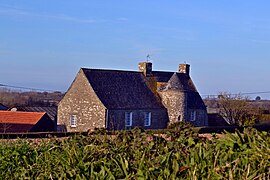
(148,58)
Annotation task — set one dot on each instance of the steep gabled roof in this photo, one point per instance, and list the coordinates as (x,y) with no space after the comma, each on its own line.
(19,121)
(179,82)
(122,89)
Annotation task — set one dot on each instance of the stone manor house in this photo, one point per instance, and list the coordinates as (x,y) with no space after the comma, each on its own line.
(116,99)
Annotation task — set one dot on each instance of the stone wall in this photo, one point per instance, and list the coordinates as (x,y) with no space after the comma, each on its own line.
(175,102)
(116,120)
(81,100)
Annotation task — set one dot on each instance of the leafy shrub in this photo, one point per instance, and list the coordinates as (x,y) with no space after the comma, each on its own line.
(180,126)
(136,154)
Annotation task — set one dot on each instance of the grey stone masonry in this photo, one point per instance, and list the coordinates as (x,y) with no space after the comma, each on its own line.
(146,68)
(116,100)
(175,104)
(81,101)
(184,68)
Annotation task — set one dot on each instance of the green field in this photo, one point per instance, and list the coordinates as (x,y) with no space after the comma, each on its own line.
(138,155)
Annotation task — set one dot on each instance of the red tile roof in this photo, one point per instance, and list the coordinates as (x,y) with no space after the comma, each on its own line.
(19,121)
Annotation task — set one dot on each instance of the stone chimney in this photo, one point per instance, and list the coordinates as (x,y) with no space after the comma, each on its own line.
(146,68)
(184,68)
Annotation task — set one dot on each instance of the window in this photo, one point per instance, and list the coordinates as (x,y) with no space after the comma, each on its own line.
(193,116)
(73,120)
(128,119)
(180,118)
(147,119)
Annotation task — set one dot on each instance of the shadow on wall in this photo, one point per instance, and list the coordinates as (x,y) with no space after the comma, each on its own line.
(61,128)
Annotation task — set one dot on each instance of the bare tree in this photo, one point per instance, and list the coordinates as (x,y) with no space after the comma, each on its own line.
(13,98)
(236,109)
(4,127)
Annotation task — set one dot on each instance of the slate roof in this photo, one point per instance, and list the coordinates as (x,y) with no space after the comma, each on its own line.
(122,89)
(194,101)
(162,76)
(3,107)
(50,110)
(216,119)
(179,82)
(19,121)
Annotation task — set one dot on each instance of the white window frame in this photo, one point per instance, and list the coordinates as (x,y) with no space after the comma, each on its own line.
(193,115)
(147,118)
(73,120)
(128,119)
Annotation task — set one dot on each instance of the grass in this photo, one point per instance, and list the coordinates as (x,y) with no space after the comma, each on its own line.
(139,155)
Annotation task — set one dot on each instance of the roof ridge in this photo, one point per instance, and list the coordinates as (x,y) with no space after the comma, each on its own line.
(163,72)
(110,70)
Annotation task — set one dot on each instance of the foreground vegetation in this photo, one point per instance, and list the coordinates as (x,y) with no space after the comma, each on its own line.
(138,155)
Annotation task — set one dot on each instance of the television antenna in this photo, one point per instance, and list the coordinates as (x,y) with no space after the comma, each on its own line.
(148,58)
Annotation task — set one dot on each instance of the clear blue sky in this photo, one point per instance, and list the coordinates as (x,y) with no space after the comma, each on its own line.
(44,43)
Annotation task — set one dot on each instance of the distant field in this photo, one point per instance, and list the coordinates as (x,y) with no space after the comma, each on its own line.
(137,155)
